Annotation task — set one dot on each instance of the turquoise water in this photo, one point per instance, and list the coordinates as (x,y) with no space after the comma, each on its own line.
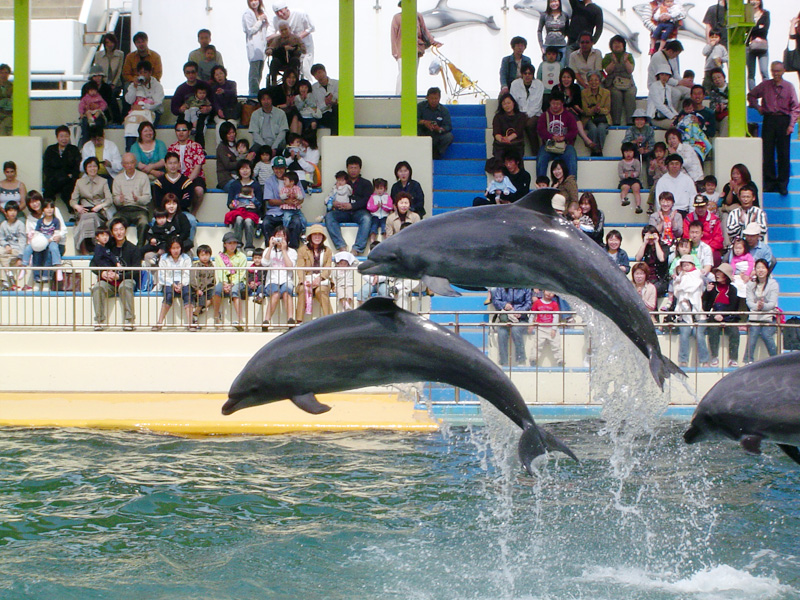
(413,516)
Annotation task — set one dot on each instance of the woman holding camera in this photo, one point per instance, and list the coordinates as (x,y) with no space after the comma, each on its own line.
(654,254)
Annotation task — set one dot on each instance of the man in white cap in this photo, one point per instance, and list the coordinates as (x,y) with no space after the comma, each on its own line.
(299,24)
(758,248)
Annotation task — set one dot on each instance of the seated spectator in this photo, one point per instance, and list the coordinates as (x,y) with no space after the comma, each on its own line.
(279,284)
(656,168)
(563,180)
(704,114)
(691,161)
(580,220)
(192,158)
(710,191)
(353,212)
(688,289)
(273,214)
(723,296)
(326,92)
(742,263)
(286,50)
(245,198)
(174,182)
(131,194)
(667,221)
(762,299)
(306,105)
(142,53)
(145,96)
(519,177)
(51,228)
(660,107)
(596,107)
(433,120)
(11,188)
(228,158)
(109,62)
(402,216)
(654,254)
(676,181)
(643,137)
(640,273)
(199,54)
(91,109)
(528,94)
(712,227)
(302,157)
(225,99)
(203,281)
(740,176)
(178,222)
(508,127)
(683,247)
(511,303)
(185,103)
(586,59)
(500,187)
(60,166)
(12,244)
(629,170)
(149,151)
(174,277)
(589,207)
(700,249)
(746,213)
(90,200)
(111,281)
(105,151)
(205,66)
(35,205)
(759,249)
(405,183)
(718,100)
(343,281)
(314,282)
(690,125)
(667,60)
(231,276)
(615,252)
(557,129)
(268,124)
(341,191)
(283,95)
(667,16)
(380,206)
(544,182)
(511,66)
(716,55)
(263,168)
(618,68)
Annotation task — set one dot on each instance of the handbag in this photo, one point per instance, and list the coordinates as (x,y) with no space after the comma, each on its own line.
(757,45)
(621,83)
(248,108)
(791,59)
(554,147)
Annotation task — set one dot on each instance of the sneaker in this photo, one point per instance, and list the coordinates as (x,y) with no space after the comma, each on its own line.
(638,210)
(128,327)
(733,363)
(714,362)
(265,325)
(626,202)
(291,321)
(99,327)
(237,326)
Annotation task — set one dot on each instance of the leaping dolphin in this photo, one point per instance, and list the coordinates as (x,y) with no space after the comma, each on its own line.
(520,245)
(380,343)
(757,402)
(442,18)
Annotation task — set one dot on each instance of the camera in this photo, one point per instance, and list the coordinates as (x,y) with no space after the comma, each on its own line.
(140,79)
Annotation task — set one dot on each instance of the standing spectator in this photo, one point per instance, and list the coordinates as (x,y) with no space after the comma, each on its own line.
(110,60)
(192,158)
(780,109)
(585,60)
(668,61)
(745,214)
(557,129)
(314,280)
(712,227)
(405,183)
(130,68)
(511,65)
(60,166)
(678,183)
(149,151)
(6,105)
(596,108)
(528,92)
(722,296)
(546,327)
(131,193)
(255,26)
(618,67)
(105,151)
(268,124)
(90,200)
(794,34)
(716,19)
(762,300)
(424,41)
(586,17)
(199,54)
(511,302)
(716,55)
(326,92)
(654,254)
(757,46)
(433,119)
(300,25)
(615,252)
(508,127)
(97,76)
(91,109)
(667,221)
(691,161)
(353,212)
(588,205)
(402,216)
(111,282)
(555,24)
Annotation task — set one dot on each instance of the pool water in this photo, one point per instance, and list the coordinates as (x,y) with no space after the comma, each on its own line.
(438,516)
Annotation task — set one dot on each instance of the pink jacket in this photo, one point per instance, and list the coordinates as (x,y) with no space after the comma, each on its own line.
(380,206)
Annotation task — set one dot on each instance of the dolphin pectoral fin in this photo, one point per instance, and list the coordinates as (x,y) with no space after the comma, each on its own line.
(552,443)
(310,404)
(751,444)
(439,286)
(791,451)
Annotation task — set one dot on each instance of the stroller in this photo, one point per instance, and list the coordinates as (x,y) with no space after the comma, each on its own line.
(456,82)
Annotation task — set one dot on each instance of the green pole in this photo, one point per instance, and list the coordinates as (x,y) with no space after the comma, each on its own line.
(347,97)
(740,21)
(408,51)
(22,68)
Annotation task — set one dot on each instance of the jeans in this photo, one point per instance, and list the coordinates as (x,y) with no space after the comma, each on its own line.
(254,76)
(763,66)
(192,225)
(544,157)
(362,217)
(663,30)
(756,332)
(518,337)
(248,227)
(100,120)
(295,224)
(169,295)
(238,290)
(597,133)
(378,224)
(685,333)
(49,257)
(368,289)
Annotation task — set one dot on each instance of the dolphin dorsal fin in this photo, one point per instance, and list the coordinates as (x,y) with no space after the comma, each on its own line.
(540,200)
(379,304)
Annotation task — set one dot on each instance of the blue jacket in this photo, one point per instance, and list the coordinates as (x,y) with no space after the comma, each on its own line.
(520,299)
(508,69)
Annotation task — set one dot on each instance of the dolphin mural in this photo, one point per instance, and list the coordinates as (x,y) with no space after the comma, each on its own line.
(525,244)
(757,402)
(691,27)
(380,343)
(442,18)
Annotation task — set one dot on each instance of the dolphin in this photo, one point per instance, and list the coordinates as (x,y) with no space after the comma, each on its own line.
(442,18)
(520,245)
(377,344)
(757,402)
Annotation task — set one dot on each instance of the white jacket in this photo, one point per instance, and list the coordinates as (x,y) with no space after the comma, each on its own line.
(659,99)
(255,33)
(178,270)
(530,100)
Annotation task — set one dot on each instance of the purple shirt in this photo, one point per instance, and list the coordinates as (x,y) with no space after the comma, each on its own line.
(776,99)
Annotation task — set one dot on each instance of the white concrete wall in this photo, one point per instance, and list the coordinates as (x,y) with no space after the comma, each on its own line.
(56,45)
(26,152)
(731,151)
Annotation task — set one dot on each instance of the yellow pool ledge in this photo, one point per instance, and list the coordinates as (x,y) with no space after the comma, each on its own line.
(199,414)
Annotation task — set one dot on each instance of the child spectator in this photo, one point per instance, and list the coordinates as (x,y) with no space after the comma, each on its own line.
(629,170)
(710,189)
(380,205)
(203,280)
(174,276)
(402,216)
(91,108)
(716,55)
(12,243)
(50,227)
(656,168)
(722,296)
(615,252)
(243,148)
(688,289)
(500,187)
(343,281)
(106,261)
(256,276)
(263,169)
(546,327)
(580,220)
(642,135)
(205,67)
(306,105)
(231,278)
(667,15)
(548,73)
(195,102)
(157,236)
(341,191)
(543,181)
(292,196)
(742,264)
(278,257)
(682,248)
(690,125)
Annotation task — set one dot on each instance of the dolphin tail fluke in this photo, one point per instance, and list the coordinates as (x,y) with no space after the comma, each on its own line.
(310,404)
(634,41)
(791,451)
(661,367)
(553,444)
(535,442)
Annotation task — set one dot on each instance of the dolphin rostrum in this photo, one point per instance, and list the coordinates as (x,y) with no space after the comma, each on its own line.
(520,245)
(442,18)
(757,402)
(379,343)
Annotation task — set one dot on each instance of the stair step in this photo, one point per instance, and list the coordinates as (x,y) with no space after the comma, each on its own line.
(467,150)
(787,266)
(455,199)
(458,182)
(783,216)
(783,249)
(478,123)
(459,166)
(474,136)
(783,233)
(773,200)
(789,284)
(789,303)
(463,110)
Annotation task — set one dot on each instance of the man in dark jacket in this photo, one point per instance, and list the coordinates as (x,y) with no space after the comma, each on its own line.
(353,212)
(61,167)
(112,282)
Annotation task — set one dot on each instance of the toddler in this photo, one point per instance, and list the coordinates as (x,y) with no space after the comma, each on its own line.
(546,327)
(206,66)
(656,169)
(157,235)
(263,169)
(306,105)
(548,72)
(256,277)
(629,170)
(92,105)
(380,205)
(292,195)
(668,15)
(543,181)
(203,281)
(580,220)
(195,102)
(341,191)
(716,55)
(343,281)
(13,239)
(742,264)
(500,187)
(710,189)
(242,148)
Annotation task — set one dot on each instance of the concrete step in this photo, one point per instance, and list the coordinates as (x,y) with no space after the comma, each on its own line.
(783,216)
(788,284)
(774,200)
(787,266)
(465,182)
(783,249)
(783,233)
(452,166)
(466,150)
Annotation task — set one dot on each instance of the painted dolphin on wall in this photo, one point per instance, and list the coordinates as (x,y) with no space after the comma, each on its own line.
(536,8)
(379,343)
(442,18)
(520,245)
(757,402)
(691,27)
